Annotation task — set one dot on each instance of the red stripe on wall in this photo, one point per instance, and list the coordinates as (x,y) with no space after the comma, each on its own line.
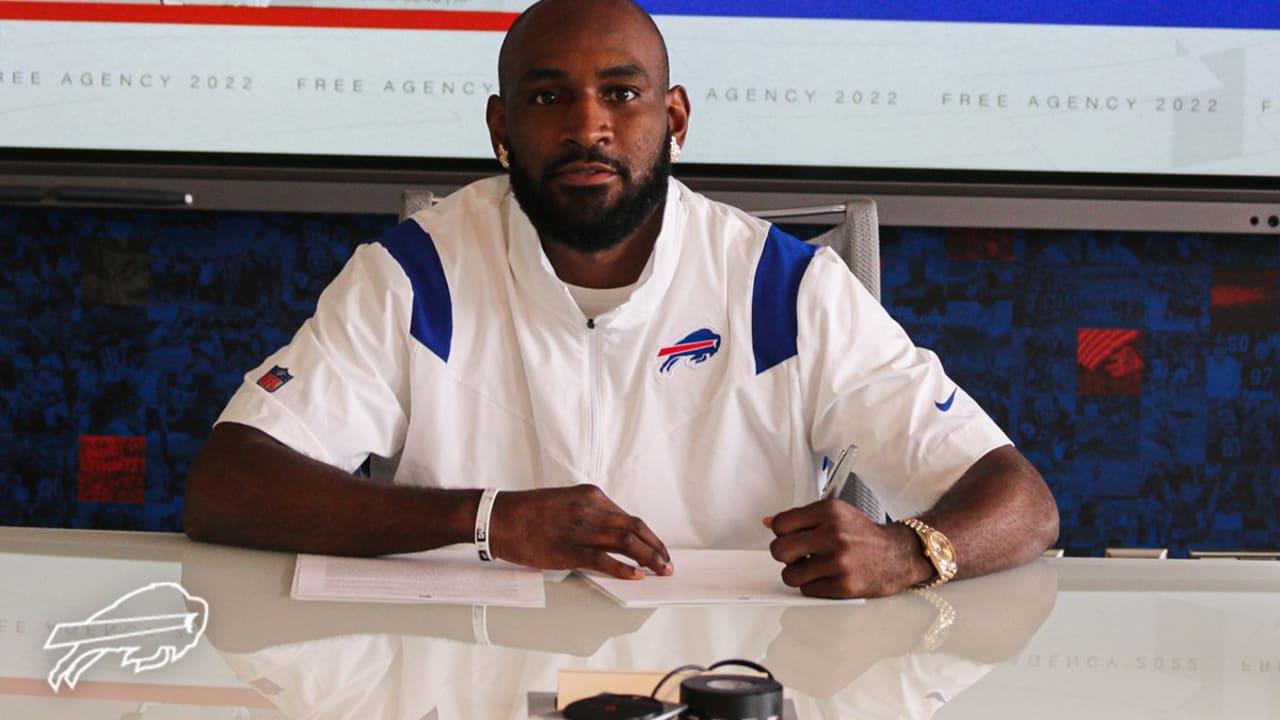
(1096,345)
(1221,296)
(376,18)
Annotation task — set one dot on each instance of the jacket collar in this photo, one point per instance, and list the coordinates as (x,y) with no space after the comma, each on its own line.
(536,280)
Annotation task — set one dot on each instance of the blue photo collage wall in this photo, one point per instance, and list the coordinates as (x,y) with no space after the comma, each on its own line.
(1138,371)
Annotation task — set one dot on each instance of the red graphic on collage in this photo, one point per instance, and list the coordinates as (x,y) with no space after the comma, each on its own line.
(980,244)
(1243,299)
(1108,362)
(113,469)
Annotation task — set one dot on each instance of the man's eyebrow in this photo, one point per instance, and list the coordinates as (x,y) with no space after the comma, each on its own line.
(538,74)
(624,71)
(629,70)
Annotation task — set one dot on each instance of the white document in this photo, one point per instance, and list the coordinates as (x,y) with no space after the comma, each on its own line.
(446,576)
(708,577)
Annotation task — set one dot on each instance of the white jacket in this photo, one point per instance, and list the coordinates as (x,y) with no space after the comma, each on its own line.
(704,403)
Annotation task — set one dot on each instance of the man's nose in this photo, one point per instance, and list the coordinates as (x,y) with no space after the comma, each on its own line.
(588,122)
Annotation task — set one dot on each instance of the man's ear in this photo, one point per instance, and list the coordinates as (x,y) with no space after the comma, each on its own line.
(678,110)
(495,116)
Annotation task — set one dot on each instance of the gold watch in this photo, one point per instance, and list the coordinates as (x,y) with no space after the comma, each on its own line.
(939,550)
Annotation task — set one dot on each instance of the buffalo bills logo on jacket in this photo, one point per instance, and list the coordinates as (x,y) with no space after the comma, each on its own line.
(696,347)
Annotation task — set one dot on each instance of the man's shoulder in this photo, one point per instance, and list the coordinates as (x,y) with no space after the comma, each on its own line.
(734,225)
(462,218)
(721,216)
(478,201)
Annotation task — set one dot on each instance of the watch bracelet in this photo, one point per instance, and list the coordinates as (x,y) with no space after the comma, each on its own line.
(921,530)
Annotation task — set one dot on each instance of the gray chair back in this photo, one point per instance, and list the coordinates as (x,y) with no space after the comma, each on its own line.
(414,199)
(857,242)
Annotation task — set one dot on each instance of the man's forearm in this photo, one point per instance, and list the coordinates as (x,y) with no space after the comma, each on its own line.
(247,489)
(1000,514)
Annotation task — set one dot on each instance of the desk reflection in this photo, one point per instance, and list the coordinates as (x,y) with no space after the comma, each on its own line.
(899,657)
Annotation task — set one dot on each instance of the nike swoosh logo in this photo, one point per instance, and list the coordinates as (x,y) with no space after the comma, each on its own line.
(945,406)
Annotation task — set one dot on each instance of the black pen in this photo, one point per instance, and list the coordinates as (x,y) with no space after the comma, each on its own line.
(122,196)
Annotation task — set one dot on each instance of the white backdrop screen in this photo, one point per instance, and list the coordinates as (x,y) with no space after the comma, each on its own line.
(1115,86)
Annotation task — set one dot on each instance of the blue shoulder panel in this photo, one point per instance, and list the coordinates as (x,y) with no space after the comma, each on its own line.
(432,321)
(773,300)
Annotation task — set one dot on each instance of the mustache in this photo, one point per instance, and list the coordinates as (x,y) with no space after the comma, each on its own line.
(584,155)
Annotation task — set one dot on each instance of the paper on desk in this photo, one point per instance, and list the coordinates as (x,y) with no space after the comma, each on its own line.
(449,576)
(708,577)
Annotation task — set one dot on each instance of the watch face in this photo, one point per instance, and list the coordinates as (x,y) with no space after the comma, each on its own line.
(940,549)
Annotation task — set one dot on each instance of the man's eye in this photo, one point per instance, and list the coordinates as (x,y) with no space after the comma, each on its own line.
(623,94)
(546,97)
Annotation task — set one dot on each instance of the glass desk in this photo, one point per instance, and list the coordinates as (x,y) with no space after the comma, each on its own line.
(1061,638)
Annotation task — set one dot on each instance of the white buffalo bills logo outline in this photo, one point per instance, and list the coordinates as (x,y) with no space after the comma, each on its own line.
(144,641)
(695,348)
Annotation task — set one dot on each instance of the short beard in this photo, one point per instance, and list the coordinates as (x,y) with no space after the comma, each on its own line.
(590,226)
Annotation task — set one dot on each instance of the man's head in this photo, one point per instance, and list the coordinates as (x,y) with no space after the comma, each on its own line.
(586,116)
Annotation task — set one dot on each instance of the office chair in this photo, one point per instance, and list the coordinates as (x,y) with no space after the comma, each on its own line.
(414,199)
(857,241)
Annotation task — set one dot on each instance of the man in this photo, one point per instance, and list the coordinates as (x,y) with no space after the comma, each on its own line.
(631,364)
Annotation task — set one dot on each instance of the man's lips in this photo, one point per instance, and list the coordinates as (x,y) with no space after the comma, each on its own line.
(580,174)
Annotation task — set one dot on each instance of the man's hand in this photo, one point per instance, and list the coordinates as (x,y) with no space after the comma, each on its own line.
(999,514)
(573,527)
(832,550)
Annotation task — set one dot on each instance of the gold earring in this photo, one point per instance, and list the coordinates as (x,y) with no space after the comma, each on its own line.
(504,158)
(674,151)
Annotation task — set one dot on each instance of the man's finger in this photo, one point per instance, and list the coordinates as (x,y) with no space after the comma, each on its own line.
(633,538)
(821,576)
(830,587)
(799,519)
(659,559)
(609,566)
(808,570)
(626,541)
(787,549)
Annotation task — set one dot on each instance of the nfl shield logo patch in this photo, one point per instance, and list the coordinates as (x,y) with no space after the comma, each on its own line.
(274,379)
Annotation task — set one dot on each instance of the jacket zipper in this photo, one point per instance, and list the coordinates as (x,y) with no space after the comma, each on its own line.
(593,371)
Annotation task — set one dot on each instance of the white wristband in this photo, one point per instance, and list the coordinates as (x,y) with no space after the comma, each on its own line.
(483,514)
